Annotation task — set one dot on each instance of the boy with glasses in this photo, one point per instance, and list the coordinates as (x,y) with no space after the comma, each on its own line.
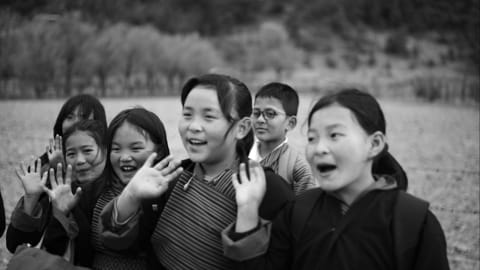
(274,114)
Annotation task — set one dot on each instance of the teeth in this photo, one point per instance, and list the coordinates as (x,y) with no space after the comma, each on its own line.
(127,168)
(194,141)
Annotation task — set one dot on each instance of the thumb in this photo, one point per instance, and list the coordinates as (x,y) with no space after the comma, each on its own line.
(78,194)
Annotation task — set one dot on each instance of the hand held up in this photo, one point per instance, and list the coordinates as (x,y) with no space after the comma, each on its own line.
(249,195)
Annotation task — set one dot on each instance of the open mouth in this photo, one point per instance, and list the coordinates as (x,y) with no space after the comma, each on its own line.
(128,168)
(196,142)
(326,168)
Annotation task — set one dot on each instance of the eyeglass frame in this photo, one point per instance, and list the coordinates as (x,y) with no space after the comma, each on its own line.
(263,113)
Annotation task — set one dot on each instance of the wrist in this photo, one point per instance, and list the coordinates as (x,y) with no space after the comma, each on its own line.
(247,218)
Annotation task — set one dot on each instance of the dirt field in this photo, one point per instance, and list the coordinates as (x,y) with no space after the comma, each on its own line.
(438,146)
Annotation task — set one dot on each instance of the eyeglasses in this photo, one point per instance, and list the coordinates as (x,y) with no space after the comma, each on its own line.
(268,114)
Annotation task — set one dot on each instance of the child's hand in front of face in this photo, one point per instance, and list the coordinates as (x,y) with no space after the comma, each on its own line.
(61,194)
(151,182)
(55,151)
(30,177)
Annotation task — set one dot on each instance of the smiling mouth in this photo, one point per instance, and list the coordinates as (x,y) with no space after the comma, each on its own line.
(127,169)
(196,142)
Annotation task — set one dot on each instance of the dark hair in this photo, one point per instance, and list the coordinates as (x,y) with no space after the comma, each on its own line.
(87,105)
(94,128)
(147,123)
(364,106)
(284,93)
(370,116)
(233,96)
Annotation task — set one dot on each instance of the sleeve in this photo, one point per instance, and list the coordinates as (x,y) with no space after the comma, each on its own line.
(24,228)
(302,176)
(267,248)
(118,235)
(277,195)
(432,249)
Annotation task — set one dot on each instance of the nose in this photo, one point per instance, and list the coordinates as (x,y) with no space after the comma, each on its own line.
(321,148)
(125,157)
(195,125)
(81,159)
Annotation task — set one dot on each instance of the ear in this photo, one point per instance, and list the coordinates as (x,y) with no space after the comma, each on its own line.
(292,122)
(244,126)
(377,142)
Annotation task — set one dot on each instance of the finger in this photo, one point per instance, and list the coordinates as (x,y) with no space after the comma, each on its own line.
(163,163)
(53,180)
(60,179)
(23,168)
(50,142)
(31,166)
(43,181)
(235,182)
(68,175)
(243,173)
(48,191)
(78,194)
(173,164)
(174,174)
(150,159)
(60,143)
(57,142)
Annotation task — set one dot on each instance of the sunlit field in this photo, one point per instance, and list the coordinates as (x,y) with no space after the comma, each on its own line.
(438,145)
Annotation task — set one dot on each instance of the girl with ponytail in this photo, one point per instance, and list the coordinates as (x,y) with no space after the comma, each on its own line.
(197,196)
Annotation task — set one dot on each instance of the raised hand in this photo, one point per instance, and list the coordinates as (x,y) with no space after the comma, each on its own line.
(61,193)
(251,190)
(148,182)
(152,180)
(249,194)
(55,151)
(30,177)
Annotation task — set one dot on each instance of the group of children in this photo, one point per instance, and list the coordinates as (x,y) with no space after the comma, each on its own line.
(114,198)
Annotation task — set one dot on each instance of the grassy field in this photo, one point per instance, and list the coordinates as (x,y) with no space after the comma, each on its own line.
(438,146)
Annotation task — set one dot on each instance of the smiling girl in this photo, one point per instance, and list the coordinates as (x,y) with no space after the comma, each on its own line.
(216,132)
(351,220)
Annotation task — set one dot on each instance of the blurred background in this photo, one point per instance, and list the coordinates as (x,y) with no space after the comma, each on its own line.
(421,58)
(426,49)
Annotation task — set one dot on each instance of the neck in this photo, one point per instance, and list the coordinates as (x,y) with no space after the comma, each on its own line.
(357,188)
(212,169)
(266,147)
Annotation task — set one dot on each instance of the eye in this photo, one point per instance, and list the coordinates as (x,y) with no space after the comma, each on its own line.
(335,135)
(70,154)
(270,114)
(256,113)
(69,117)
(186,114)
(115,148)
(311,138)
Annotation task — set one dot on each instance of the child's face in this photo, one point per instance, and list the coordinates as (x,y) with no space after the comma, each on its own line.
(130,149)
(203,127)
(73,118)
(269,130)
(337,150)
(85,156)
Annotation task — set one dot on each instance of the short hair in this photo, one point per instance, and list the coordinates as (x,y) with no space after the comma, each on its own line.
(87,105)
(287,96)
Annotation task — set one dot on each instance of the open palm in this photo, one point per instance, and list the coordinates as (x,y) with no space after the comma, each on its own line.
(61,192)
(249,191)
(151,182)
(30,177)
